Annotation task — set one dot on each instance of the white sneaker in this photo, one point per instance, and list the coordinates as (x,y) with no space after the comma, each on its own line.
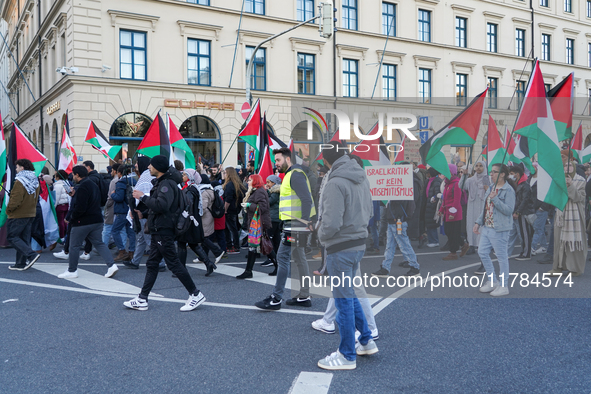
(193,302)
(139,304)
(221,256)
(367,349)
(487,287)
(198,261)
(540,250)
(85,256)
(111,271)
(61,255)
(336,361)
(374,335)
(68,275)
(323,325)
(432,245)
(500,291)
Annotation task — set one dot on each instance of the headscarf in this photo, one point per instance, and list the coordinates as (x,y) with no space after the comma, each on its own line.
(476,185)
(453,169)
(29,180)
(193,176)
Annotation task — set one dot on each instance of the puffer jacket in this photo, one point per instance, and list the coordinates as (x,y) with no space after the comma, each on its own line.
(163,202)
(432,201)
(61,197)
(120,196)
(274,194)
(259,198)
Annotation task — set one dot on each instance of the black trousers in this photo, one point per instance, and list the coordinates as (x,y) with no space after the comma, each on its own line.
(18,234)
(87,243)
(526,231)
(453,230)
(162,247)
(275,234)
(198,249)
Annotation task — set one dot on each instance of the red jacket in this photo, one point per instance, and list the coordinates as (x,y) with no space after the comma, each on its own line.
(452,196)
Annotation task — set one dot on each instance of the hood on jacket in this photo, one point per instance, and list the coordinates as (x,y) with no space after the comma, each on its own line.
(142,164)
(347,168)
(275,189)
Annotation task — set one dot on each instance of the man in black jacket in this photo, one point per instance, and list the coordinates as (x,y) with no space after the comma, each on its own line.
(86,222)
(524,207)
(162,204)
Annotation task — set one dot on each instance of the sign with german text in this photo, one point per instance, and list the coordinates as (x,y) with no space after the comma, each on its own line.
(390,182)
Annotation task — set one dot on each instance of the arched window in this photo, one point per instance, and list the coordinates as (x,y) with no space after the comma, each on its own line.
(305,148)
(203,137)
(128,130)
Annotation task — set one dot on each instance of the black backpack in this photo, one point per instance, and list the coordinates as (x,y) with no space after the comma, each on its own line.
(182,216)
(218,208)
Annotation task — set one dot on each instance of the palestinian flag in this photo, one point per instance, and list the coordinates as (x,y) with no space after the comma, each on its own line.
(99,142)
(535,121)
(263,144)
(298,158)
(462,130)
(49,215)
(400,154)
(20,148)
(180,149)
(562,103)
(266,165)
(250,132)
(371,153)
(156,140)
(25,149)
(576,145)
(320,158)
(496,150)
(67,158)
(484,153)
(274,143)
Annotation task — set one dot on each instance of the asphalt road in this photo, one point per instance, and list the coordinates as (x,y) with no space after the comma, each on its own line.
(61,336)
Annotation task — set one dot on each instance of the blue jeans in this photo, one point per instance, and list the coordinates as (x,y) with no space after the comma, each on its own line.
(121,223)
(489,240)
(107,234)
(539,240)
(403,243)
(284,267)
(432,235)
(513,237)
(350,314)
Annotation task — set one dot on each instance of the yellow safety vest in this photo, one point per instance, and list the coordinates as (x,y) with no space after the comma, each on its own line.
(289,202)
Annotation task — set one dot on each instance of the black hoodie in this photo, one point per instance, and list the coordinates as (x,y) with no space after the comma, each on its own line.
(163,202)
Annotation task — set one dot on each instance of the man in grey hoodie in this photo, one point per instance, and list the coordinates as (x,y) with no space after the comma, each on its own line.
(343,216)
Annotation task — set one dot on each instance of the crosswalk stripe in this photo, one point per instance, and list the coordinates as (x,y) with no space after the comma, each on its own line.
(91,280)
(311,383)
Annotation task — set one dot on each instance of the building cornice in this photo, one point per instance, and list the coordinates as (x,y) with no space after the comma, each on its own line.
(305,41)
(463,8)
(132,15)
(202,26)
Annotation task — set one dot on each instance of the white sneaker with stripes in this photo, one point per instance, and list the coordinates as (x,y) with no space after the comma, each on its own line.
(336,361)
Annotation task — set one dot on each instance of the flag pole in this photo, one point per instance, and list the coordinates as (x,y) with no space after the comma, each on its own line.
(228,152)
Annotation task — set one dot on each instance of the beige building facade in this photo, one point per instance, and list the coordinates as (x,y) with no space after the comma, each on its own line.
(121,62)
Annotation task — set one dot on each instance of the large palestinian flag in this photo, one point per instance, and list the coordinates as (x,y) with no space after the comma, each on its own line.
(562,103)
(99,142)
(576,145)
(462,130)
(20,148)
(156,140)
(180,149)
(536,121)
(49,215)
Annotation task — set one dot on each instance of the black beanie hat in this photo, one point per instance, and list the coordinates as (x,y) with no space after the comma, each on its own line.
(160,163)
(142,163)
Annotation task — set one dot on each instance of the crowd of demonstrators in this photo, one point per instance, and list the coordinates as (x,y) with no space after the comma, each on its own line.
(226,206)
